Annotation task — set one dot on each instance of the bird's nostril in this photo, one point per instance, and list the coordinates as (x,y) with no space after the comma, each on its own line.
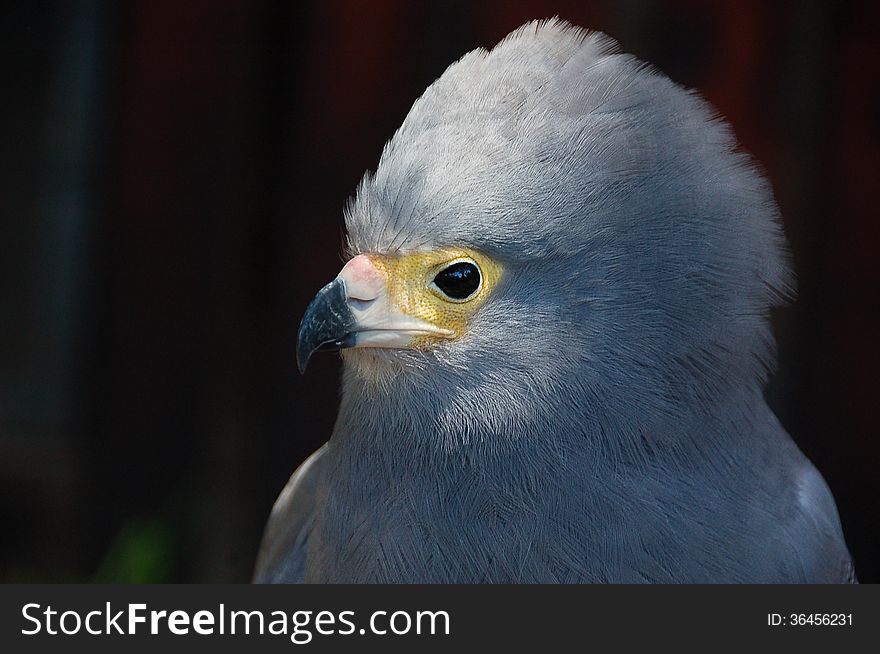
(357,304)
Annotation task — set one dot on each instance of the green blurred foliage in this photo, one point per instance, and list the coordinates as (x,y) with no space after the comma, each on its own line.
(141,553)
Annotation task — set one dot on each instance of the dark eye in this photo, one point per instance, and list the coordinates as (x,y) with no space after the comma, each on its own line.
(458,281)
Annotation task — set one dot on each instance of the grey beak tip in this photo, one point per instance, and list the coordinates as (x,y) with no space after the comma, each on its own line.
(326,324)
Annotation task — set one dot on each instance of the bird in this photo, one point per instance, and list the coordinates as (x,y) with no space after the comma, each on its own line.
(555,337)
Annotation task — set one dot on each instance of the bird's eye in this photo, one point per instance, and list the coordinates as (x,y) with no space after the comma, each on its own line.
(459,281)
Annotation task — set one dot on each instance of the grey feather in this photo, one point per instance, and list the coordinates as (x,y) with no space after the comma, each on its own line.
(603,418)
(283,549)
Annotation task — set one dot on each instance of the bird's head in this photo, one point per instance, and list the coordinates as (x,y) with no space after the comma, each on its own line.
(555,228)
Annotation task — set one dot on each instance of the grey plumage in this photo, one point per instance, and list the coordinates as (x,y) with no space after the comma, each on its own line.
(603,419)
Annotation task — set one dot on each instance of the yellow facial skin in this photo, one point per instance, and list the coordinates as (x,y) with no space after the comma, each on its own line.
(409,277)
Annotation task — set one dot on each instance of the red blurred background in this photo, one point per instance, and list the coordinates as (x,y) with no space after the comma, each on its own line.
(173,185)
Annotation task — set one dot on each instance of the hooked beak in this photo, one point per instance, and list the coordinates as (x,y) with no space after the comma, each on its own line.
(355,310)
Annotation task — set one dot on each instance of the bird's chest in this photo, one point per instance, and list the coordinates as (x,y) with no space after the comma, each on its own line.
(449,528)
(435,528)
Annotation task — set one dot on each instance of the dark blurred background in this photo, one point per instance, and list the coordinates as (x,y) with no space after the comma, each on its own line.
(173,176)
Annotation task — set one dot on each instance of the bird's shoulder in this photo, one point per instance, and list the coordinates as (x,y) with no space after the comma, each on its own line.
(762,513)
(826,557)
(792,507)
(281,558)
